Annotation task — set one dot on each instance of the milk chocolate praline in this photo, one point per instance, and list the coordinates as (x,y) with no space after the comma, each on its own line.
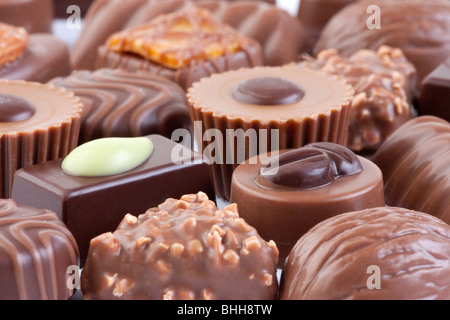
(384,253)
(415,162)
(307,106)
(184,249)
(310,184)
(38,123)
(36,250)
(422,34)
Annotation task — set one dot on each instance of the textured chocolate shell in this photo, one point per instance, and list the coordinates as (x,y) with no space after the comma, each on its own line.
(36,250)
(280,35)
(120,103)
(415,162)
(419,28)
(384,253)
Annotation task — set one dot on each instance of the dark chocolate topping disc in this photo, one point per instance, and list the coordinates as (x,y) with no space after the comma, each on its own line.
(268,91)
(313,166)
(14,108)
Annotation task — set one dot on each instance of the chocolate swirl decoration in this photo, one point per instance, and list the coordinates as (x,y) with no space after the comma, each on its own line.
(313,166)
(36,249)
(120,103)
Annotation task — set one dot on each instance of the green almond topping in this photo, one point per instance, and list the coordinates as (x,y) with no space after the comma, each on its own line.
(107,156)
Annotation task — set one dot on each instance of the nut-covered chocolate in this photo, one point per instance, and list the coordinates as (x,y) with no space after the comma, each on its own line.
(38,123)
(290,192)
(385,84)
(280,35)
(120,103)
(415,162)
(307,106)
(384,253)
(36,250)
(184,249)
(419,28)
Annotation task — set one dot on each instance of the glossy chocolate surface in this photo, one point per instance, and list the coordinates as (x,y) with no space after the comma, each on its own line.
(120,103)
(36,249)
(384,253)
(91,206)
(186,249)
(284,210)
(36,16)
(48,131)
(280,35)
(423,35)
(415,162)
(45,58)
(435,93)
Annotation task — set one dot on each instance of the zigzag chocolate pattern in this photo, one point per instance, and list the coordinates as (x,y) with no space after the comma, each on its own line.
(36,249)
(127,104)
(415,162)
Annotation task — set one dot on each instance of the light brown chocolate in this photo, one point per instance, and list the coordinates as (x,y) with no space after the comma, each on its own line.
(418,28)
(384,253)
(184,249)
(36,16)
(47,131)
(415,162)
(322,114)
(311,184)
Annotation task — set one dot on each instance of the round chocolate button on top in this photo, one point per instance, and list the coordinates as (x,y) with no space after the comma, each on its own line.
(14,108)
(268,91)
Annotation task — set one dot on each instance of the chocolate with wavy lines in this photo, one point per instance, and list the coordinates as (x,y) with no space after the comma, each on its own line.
(384,253)
(126,104)
(36,249)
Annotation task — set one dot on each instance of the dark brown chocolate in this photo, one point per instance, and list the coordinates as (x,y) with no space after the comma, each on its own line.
(281,35)
(183,249)
(423,36)
(435,93)
(45,58)
(289,193)
(36,16)
(119,103)
(91,206)
(415,162)
(384,253)
(15,108)
(36,250)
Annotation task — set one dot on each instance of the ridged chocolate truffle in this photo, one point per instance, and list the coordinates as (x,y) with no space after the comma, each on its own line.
(36,250)
(418,28)
(291,107)
(120,103)
(415,162)
(288,194)
(385,84)
(38,123)
(183,249)
(281,35)
(382,253)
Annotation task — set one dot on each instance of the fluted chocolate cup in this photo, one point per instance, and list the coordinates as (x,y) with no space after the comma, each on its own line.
(38,123)
(244,113)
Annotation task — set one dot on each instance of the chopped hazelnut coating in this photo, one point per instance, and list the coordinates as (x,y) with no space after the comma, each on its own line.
(198,252)
(13,42)
(180,38)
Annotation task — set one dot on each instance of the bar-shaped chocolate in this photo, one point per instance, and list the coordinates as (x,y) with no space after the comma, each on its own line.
(93,205)
(435,93)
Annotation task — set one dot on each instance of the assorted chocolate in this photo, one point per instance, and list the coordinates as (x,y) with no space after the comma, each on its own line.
(92,190)
(121,103)
(36,250)
(323,136)
(288,194)
(38,123)
(415,162)
(385,85)
(384,253)
(185,249)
